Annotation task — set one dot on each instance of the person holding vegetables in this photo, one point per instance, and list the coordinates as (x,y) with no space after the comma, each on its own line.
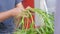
(8,10)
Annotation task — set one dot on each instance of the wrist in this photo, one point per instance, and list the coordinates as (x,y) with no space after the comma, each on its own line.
(12,12)
(15,12)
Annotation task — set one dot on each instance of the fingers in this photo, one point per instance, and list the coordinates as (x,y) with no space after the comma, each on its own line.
(28,7)
(23,14)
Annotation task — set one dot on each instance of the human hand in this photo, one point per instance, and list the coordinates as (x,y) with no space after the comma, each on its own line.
(19,12)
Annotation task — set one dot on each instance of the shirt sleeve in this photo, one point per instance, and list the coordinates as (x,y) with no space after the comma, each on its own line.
(17,1)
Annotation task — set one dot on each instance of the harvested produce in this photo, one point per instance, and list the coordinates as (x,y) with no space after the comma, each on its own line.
(48,28)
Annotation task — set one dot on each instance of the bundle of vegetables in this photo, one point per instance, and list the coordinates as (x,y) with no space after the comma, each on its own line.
(48,28)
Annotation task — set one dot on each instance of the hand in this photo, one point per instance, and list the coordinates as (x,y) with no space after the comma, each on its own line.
(23,14)
(29,8)
(19,12)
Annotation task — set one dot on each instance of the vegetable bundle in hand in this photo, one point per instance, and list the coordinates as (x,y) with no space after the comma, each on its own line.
(48,28)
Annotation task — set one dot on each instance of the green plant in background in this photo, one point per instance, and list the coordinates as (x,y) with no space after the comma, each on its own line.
(48,28)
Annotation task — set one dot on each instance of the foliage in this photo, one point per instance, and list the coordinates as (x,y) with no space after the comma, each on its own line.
(48,28)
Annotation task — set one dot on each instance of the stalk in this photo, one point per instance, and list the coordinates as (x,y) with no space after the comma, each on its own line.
(48,20)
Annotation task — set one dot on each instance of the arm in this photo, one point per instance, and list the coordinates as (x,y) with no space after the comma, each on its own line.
(7,14)
(13,12)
